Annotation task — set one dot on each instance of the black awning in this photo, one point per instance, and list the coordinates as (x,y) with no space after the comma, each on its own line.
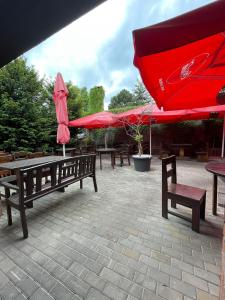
(26,23)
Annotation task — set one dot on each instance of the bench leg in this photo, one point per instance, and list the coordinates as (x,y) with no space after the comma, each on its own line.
(195,218)
(202,208)
(81,184)
(95,184)
(164,207)
(121,160)
(128,158)
(8,207)
(173,204)
(9,213)
(24,223)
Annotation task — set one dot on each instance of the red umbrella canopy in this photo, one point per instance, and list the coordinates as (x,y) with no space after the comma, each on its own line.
(60,96)
(182,60)
(102,119)
(147,113)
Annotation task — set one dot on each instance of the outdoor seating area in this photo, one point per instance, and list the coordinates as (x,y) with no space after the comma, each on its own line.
(114,244)
(112,181)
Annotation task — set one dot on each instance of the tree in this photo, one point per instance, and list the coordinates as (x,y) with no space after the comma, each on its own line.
(96,99)
(141,95)
(122,99)
(83,99)
(22,101)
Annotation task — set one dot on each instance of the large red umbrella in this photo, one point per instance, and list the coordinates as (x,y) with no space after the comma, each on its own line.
(148,114)
(60,96)
(102,119)
(182,60)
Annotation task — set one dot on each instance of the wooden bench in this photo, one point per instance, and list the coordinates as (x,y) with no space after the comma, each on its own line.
(31,186)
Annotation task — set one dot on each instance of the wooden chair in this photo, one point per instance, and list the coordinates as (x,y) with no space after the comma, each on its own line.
(123,152)
(185,195)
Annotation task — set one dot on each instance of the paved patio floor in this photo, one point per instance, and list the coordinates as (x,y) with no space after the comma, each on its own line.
(113,244)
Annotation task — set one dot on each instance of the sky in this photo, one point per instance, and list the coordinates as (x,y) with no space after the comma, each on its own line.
(97,49)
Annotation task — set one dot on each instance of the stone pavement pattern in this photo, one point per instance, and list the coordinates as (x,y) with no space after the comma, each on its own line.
(113,244)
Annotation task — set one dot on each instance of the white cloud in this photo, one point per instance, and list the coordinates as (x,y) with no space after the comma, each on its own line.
(97,49)
(77,46)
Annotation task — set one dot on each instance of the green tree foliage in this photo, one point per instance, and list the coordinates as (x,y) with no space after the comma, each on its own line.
(96,99)
(123,98)
(27,115)
(22,100)
(84,99)
(141,95)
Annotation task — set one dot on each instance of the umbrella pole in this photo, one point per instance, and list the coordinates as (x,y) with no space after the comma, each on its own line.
(223,139)
(150,139)
(106,137)
(64,150)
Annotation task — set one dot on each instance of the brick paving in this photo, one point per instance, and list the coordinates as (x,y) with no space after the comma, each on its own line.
(113,244)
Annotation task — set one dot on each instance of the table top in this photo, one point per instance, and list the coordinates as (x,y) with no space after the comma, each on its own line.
(216,167)
(106,150)
(66,149)
(23,163)
(181,145)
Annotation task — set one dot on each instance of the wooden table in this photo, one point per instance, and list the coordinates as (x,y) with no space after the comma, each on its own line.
(217,168)
(71,150)
(26,163)
(181,148)
(110,151)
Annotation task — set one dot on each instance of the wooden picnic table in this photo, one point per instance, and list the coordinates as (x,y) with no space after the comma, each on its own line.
(110,151)
(181,148)
(70,150)
(25,163)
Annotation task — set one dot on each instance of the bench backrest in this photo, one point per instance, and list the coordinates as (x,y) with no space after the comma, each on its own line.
(61,173)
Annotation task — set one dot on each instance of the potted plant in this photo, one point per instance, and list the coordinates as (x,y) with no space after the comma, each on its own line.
(142,161)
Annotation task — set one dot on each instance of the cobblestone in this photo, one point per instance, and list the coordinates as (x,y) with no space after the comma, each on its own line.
(113,244)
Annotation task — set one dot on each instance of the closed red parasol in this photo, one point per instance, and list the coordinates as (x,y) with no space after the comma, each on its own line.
(60,96)
(182,60)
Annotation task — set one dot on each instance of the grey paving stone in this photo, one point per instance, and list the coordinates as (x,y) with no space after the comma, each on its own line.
(96,295)
(182,266)
(9,292)
(40,294)
(124,270)
(182,287)
(214,289)
(23,282)
(59,292)
(195,281)
(147,295)
(149,261)
(168,293)
(114,292)
(3,279)
(95,281)
(208,276)
(159,276)
(74,236)
(20,297)
(77,269)
(212,268)
(170,270)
